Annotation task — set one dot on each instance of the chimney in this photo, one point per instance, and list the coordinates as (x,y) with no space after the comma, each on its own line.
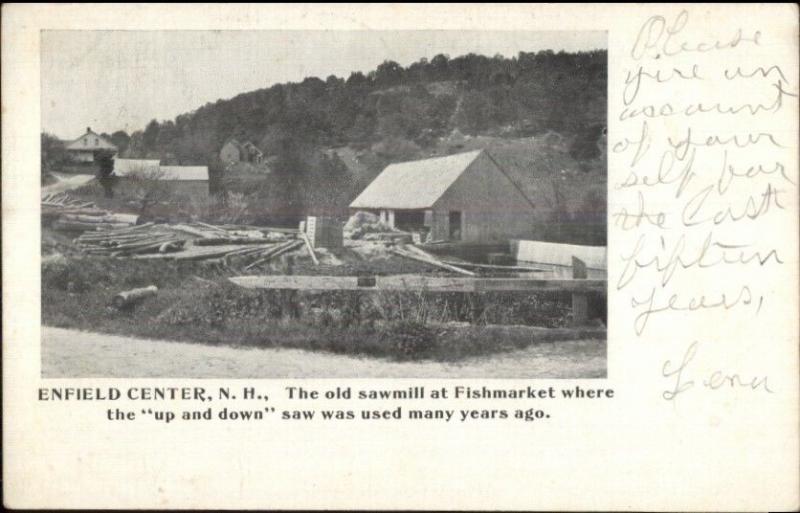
(88,129)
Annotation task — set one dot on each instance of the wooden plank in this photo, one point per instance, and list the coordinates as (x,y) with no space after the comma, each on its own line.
(558,254)
(471,265)
(310,249)
(415,283)
(274,252)
(211,227)
(277,230)
(194,231)
(421,256)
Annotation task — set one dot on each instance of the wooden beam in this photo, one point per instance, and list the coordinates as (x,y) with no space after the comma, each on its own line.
(421,256)
(471,265)
(309,248)
(414,282)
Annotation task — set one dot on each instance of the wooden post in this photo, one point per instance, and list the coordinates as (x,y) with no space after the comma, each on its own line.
(580,300)
(291,307)
(355,308)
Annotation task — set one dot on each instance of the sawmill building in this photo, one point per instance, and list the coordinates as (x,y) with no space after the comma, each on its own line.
(463,197)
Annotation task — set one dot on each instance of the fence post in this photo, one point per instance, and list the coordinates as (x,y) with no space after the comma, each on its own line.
(580,300)
(290,303)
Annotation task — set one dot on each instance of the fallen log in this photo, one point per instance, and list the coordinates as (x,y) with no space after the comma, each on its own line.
(131,297)
(283,248)
(210,227)
(147,243)
(227,240)
(249,251)
(174,245)
(84,211)
(122,231)
(89,218)
(80,226)
(277,230)
(471,265)
(205,234)
(152,247)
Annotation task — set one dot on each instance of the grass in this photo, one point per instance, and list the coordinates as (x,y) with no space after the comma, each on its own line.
(196,303)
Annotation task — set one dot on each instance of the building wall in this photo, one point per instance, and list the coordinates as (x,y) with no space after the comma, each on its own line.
(190,189)
(81,156)
(181,191)
(230,153)
(492,207)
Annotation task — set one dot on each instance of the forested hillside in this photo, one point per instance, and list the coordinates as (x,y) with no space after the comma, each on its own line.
(326,138)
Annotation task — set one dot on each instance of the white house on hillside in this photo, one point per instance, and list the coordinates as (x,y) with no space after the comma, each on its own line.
(84,147)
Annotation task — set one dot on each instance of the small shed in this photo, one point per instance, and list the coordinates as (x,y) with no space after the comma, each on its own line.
(461,197)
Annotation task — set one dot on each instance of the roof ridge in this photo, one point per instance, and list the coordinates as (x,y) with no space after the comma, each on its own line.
(437,157)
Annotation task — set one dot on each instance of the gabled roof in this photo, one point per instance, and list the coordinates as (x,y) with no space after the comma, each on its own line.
(243,145)
(124,167)
(184,173)
(252,146)
(416,184)
(103,143)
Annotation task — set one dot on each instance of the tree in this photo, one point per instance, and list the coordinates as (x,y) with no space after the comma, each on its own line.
(148,188)
(150,136)
(105,169)
(121,140)
(388,73)
(53,154)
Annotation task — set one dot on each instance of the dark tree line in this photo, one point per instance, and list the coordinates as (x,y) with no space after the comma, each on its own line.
(527,94)
(393,112)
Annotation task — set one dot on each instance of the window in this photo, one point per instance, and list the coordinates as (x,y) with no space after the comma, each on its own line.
(96,141)
(85,142)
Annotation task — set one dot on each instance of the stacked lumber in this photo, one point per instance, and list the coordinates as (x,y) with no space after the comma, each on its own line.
(275,251)
(128,241)
(64,200)
(225,245)
(69,214)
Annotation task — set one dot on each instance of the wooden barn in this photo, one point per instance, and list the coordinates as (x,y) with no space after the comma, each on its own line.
(463,197)
(184,182)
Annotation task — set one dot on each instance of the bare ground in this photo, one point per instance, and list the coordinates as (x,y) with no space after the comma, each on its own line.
(77,354)
(66,183)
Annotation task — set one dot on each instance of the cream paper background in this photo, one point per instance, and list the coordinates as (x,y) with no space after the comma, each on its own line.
(723,450)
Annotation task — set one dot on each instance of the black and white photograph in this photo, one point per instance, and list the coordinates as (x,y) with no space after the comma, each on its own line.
(381,257)
(323,204)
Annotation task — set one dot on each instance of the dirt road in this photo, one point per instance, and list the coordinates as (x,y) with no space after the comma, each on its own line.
(76,354)
(66,183)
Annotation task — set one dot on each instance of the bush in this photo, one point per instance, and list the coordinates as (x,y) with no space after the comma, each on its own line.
(410,339)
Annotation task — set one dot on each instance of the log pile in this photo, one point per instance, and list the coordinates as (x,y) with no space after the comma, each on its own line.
(64,200)
(189,242)
(68,214)
(128,241)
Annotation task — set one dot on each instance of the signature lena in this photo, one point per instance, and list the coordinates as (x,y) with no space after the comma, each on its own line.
(682,378)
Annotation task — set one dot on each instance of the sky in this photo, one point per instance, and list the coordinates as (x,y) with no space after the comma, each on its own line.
(120,80)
